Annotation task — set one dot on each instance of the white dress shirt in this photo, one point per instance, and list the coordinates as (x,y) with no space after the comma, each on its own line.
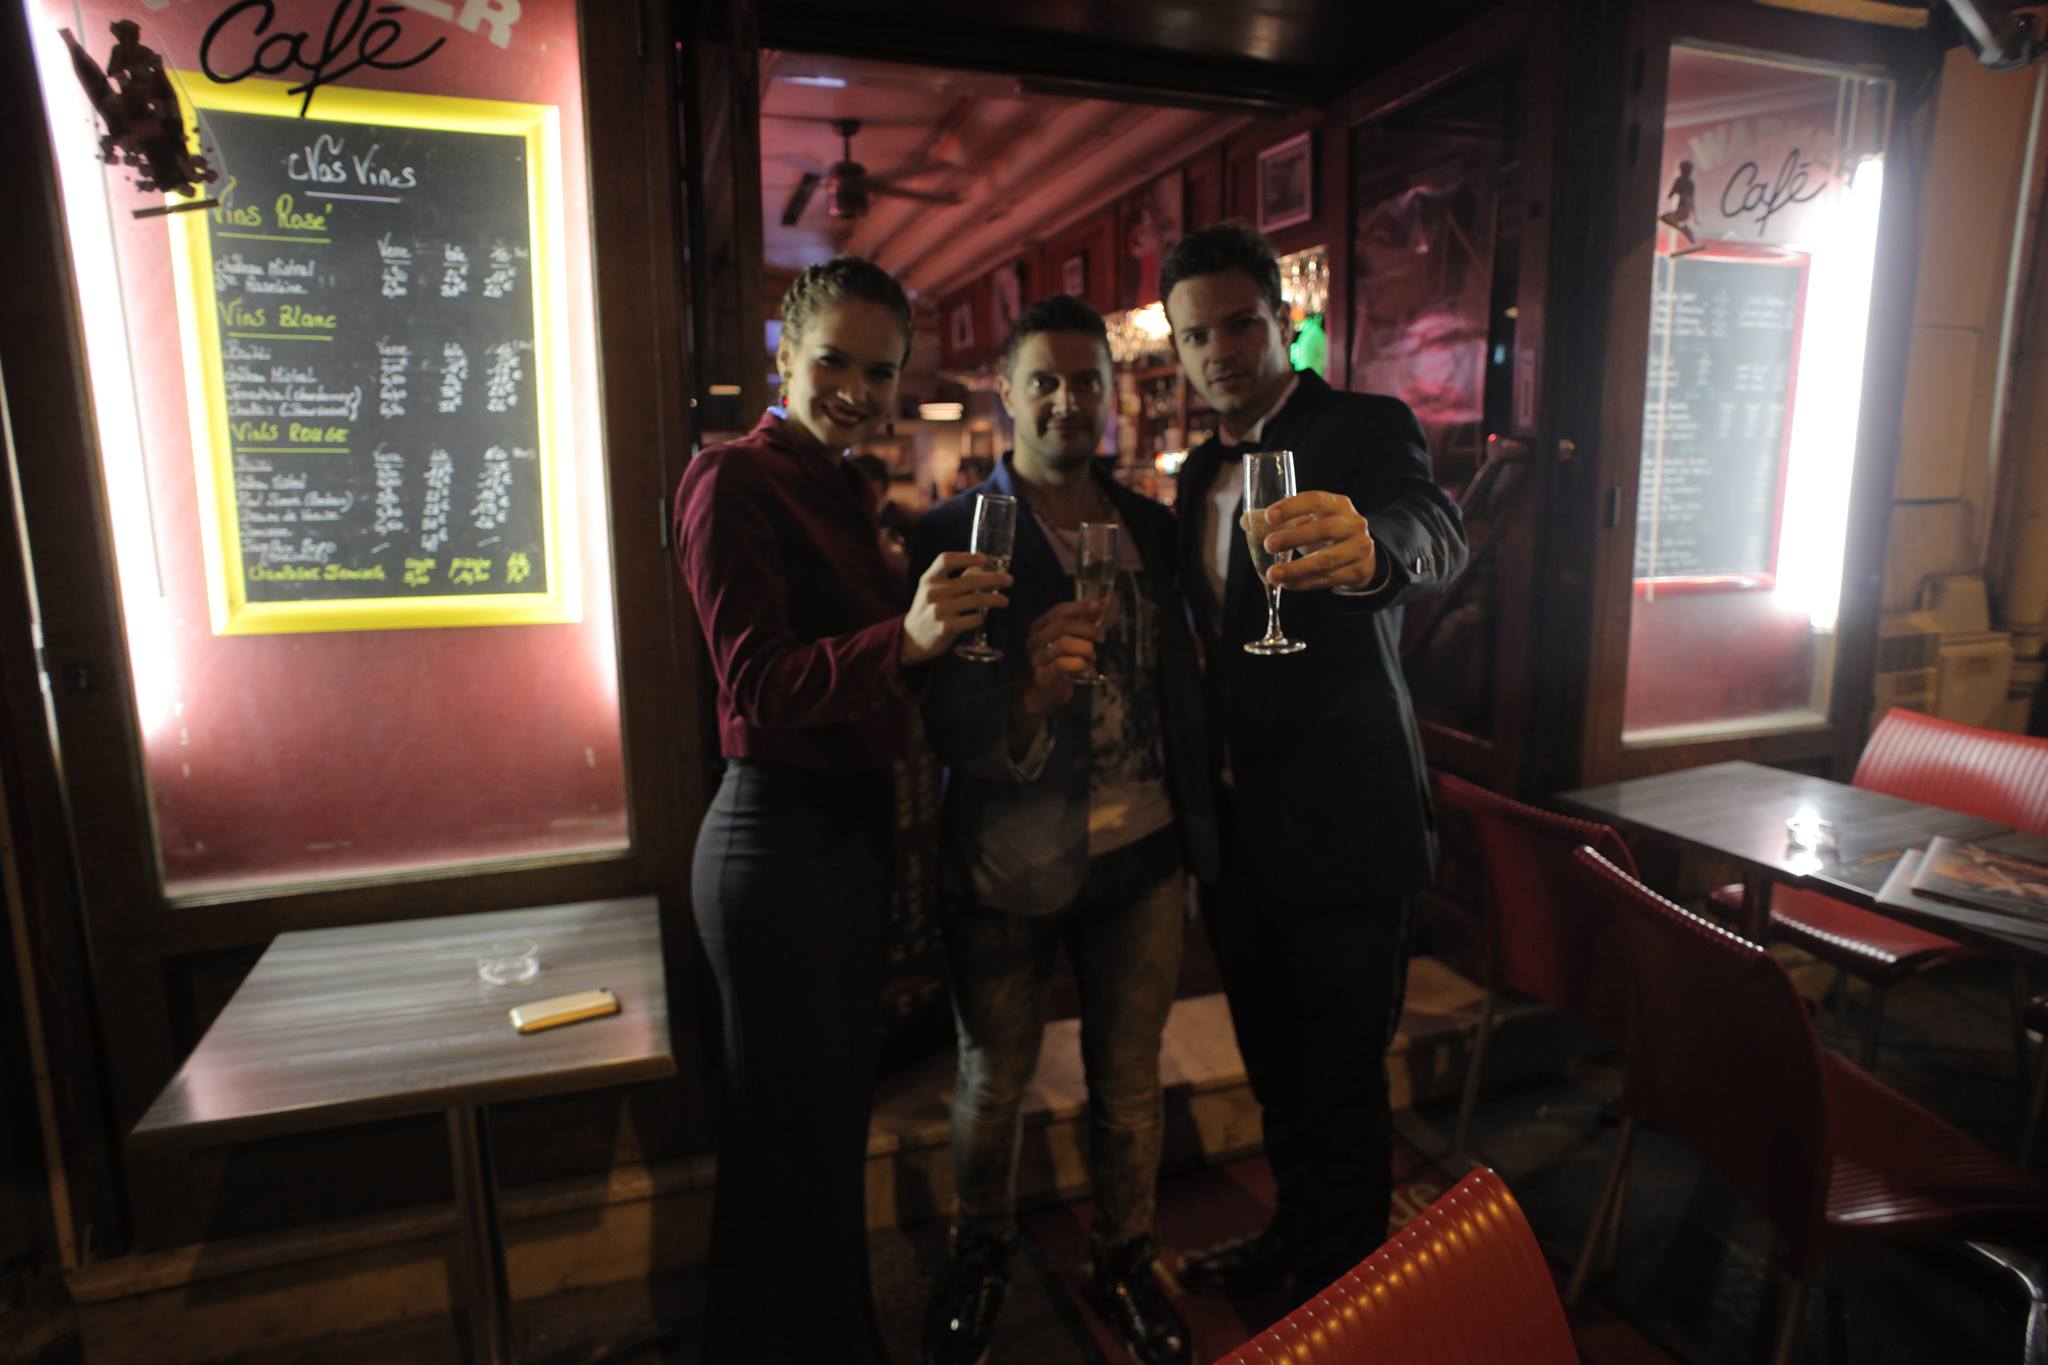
(1222,512)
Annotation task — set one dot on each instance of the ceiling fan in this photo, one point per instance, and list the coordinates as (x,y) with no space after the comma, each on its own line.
(848,186)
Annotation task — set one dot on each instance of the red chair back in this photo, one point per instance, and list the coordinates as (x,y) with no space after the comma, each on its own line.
(1543,936)
(1721,1052)
(1464,1284)
(1986,773)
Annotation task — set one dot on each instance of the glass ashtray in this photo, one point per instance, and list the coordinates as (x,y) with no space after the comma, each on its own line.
(1807,830)
(509,961)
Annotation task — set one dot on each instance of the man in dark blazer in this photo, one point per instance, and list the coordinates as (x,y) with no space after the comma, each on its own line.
(1328,836)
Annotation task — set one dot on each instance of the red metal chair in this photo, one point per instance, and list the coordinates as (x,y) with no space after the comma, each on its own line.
(2001,778)
(2034,1020)
(1720,1051)
(1464,1284)
(1537,936)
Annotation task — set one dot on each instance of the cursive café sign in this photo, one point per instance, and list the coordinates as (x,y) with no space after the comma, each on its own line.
(1759,179)
(316,47)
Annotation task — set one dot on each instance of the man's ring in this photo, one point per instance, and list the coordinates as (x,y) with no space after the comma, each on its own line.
(1050,653)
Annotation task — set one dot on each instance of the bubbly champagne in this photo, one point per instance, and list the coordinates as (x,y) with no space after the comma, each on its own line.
(1255,533)
(1093,582)
(993,537)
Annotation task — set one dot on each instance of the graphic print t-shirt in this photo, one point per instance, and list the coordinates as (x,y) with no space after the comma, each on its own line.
(1127,796)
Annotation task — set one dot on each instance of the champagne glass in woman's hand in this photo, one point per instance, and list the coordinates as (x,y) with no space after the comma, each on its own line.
(954,594)
(1268,477)
(995,532)
(1095,569)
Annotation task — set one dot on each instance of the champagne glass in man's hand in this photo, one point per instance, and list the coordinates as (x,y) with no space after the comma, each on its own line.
(1268,478)
(1095,570)
(995,532)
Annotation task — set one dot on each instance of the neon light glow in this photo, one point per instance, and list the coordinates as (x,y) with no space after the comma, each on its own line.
(1825,411)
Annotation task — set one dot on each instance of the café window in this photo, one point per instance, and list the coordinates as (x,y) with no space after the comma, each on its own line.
(344,376)
(1766,235)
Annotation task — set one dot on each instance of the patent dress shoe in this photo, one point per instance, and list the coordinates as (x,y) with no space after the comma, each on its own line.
(961,1317)
(1126,1293)
(1248,1265)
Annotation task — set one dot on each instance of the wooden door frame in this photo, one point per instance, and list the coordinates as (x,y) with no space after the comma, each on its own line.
(132,930)
(1607,560)
(1532,27)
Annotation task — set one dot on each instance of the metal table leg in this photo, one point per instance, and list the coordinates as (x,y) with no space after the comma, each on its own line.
(481,1246)
(1756,906)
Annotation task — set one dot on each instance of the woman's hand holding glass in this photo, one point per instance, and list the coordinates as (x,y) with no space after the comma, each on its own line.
(955,596)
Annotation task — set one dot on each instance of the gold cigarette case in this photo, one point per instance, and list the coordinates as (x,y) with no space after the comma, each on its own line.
(558,1010)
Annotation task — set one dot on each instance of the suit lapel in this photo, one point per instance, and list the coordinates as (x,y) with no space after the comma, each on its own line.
(1197,476)
(1239,579)
(1287,427)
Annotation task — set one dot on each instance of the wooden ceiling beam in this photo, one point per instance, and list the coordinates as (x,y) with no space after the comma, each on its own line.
(1156,141)
(888,219)
(1031,172)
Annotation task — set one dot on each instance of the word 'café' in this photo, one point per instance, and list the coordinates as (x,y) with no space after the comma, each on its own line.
(785,682)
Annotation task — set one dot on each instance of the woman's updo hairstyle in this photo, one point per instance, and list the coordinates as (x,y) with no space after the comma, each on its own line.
(838,280)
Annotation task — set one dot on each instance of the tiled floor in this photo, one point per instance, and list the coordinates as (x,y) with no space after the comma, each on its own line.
(1690,1285)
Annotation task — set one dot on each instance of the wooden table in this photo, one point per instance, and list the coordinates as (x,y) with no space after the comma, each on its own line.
(1738,811)
(376,1021)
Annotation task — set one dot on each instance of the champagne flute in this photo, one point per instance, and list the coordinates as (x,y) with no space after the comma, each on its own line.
(1095,570)
(1268,477)
(995,531)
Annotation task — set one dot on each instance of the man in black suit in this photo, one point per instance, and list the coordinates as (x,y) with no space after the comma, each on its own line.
(1328,835)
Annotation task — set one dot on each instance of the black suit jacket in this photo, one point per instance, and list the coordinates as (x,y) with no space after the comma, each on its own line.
(1329,781)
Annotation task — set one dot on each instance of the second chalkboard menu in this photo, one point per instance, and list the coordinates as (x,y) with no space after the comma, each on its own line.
(1724,343)
(372,309)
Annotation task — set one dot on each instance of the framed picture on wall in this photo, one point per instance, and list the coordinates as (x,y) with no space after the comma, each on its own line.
(1074,275)
(1152,224)
(960,326)
(1009,292)
(1287,183)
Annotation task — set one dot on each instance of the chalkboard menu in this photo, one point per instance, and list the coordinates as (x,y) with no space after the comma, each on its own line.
(1724,336)
(370,306)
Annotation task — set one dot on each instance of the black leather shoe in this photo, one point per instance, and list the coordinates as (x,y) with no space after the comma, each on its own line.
(1125,1290)
(961,1317)
(1249,1265)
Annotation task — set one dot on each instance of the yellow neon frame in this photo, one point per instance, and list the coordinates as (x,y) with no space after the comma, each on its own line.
(206,387)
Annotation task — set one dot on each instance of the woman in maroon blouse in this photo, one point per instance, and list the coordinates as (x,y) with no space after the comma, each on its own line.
(815,657)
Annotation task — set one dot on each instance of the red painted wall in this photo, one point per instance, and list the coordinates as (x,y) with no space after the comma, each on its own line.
(291,757)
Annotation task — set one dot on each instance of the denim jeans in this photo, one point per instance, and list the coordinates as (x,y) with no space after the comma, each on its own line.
(1123,937)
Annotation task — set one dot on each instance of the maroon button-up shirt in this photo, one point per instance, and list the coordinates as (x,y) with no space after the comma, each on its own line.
(779,546)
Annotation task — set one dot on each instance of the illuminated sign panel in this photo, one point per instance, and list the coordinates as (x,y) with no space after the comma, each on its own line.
(371,317)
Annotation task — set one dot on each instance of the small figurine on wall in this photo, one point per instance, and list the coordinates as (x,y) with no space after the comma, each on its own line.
(1680,217)
(145,121)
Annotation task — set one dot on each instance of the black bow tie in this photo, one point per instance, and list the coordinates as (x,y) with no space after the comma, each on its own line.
(1230,452)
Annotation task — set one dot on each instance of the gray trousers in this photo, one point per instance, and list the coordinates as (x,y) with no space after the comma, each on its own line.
(1123,935)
